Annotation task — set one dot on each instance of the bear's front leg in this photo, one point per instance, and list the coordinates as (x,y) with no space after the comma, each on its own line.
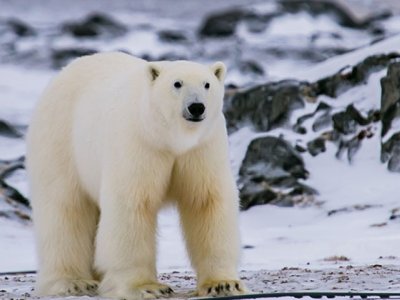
(212,239)
(208,206)
(126,238)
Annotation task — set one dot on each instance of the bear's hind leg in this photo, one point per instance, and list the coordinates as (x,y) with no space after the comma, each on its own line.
(65,223)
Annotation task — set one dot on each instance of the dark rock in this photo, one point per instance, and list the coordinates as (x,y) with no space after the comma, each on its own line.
(223,24)
(255,194)
(265,107)
(271,157)
(270,163)
(390,112)
(316,146)
(18,215)
(390,96)
(7,167)
(95,25)
(248,247)
(251,67)
(172,36)
(61,57)
(300,148)
(352,145)
(390,152)
(348,209)
(12,194)
(322,122)
(344,123)
(347,121)
(395,214)
(7,130)
(20,28)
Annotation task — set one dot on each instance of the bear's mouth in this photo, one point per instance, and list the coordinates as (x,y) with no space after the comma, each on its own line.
(194,119)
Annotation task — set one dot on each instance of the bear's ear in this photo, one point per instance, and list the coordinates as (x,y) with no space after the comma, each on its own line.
(219,70)
(154,71)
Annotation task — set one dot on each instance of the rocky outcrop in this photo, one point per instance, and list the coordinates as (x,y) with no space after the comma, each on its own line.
(390,117)
(273,170)
(266,106)
(224,23)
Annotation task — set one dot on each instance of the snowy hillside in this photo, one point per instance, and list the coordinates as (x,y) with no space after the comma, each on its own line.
(312,106)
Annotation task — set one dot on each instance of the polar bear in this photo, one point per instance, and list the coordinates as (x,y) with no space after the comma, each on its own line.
(111,141)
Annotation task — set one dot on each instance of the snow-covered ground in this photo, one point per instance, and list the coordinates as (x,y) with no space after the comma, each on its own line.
(348,278)
(349,226)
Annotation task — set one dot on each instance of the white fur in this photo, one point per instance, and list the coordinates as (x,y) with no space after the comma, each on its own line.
(107,147)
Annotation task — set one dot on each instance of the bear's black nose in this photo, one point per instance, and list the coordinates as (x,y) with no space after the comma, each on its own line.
(196,109)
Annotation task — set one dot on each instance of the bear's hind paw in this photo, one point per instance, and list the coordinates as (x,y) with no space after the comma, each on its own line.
(69,287)
(222,288)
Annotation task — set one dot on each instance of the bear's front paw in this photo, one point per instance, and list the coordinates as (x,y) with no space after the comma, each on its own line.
(155,290)
(221,288)
(68,287)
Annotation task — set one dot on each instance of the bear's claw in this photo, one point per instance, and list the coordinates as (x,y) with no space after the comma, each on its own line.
(150,291)
(221,288)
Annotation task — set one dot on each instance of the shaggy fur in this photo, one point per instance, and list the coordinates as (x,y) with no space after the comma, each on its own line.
(107,148)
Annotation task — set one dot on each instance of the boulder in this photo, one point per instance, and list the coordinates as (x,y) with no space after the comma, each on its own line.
(223,24)
(8,130)
(270,173)
(94,25)
(266,106)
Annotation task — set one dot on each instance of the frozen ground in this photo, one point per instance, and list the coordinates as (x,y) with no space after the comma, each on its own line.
(344,242)
(343,278)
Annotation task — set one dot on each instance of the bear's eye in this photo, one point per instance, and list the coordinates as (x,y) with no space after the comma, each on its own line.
(206,85)
(177,84)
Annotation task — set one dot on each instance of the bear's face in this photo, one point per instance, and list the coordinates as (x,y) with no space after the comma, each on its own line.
(187,98)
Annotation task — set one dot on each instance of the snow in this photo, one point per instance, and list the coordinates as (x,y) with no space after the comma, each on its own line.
(333,65)
(275,231)
(17,249)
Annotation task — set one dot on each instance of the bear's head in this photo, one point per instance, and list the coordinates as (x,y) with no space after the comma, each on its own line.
(187,100)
